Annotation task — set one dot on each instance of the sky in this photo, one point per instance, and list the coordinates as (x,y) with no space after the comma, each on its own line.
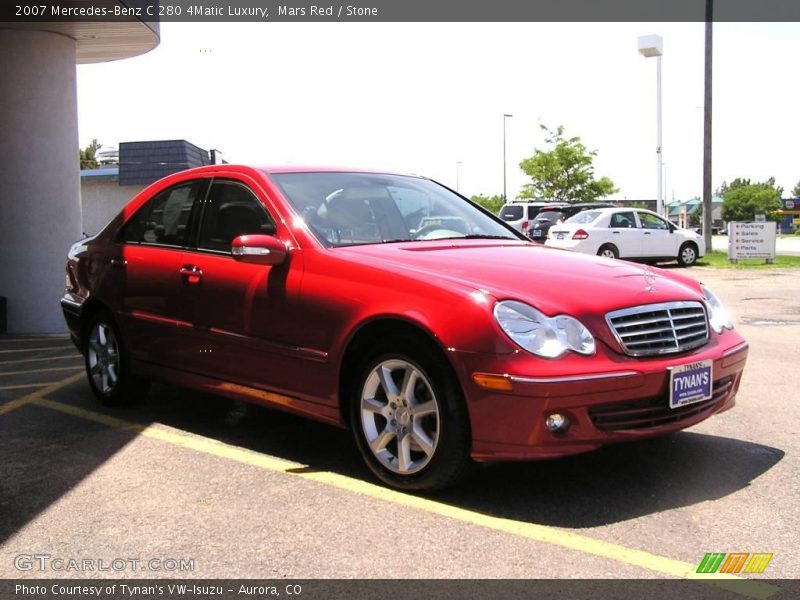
(429,98)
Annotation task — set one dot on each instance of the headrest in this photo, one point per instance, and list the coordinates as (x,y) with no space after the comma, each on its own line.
(350,208)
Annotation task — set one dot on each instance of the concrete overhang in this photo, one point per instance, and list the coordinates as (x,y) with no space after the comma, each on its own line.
(104,40)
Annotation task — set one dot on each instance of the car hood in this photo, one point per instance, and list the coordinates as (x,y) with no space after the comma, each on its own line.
(554,281)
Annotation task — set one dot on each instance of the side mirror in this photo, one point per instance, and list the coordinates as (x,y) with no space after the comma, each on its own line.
(259,249)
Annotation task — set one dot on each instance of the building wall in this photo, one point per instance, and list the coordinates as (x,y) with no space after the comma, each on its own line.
(40,214)
(102,200)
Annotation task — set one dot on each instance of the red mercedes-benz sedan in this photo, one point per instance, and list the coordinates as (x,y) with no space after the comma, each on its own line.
(393,306)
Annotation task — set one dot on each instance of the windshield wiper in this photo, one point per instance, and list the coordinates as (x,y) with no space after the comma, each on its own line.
(398,240)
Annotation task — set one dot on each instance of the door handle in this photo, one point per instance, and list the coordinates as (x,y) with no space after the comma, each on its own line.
(647,233)
(192,273)
(615,232)
(118,261)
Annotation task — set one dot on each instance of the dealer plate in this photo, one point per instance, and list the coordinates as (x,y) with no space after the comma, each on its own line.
(560,235)
(690,383)
(536,233)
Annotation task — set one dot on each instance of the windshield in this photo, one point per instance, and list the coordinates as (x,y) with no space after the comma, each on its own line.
(586,216)
(345,209)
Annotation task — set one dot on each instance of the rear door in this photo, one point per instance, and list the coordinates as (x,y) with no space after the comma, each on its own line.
(625,234)
(145,272)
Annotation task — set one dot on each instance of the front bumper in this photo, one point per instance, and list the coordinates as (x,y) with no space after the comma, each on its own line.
(611,399)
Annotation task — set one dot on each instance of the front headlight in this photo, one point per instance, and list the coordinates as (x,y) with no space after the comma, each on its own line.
(539,334)
(718,316)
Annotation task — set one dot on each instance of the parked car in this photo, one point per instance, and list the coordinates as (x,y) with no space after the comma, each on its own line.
(631,233)
(558,213)
(520,215)
(314,292)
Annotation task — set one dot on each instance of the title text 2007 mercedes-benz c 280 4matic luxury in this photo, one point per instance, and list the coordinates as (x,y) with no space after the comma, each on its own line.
(393,306)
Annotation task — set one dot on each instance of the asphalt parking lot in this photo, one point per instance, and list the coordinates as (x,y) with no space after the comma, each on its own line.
(243,491)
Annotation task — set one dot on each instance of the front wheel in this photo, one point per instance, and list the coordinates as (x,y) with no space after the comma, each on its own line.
(687,255)
(409,418)
(107,365)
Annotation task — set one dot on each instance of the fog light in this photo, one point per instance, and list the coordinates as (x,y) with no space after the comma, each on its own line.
(557,423)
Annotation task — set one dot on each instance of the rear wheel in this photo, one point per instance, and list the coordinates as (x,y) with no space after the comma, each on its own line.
(107,364)
(687,255)
(608,251)
(409,417)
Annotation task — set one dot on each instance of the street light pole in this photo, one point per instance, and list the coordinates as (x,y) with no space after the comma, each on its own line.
(505,116)
(660,154)
(649,46)
(458,175)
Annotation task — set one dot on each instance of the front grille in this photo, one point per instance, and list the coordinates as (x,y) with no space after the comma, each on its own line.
(656,329)
(654,412)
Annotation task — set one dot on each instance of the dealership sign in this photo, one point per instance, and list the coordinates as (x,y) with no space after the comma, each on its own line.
(751,240)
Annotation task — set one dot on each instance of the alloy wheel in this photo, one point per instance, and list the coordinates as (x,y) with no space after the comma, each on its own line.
(400,416)
(103,357)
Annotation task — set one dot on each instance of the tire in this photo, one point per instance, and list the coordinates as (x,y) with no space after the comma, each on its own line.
(608,251)
(107,366)
(687,255)
(409,417)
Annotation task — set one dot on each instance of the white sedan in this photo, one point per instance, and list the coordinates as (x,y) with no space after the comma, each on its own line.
(631,233)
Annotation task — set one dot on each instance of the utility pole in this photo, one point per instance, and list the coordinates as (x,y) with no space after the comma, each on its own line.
(707,203)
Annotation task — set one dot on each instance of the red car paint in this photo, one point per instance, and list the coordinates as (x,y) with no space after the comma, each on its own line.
(278,334)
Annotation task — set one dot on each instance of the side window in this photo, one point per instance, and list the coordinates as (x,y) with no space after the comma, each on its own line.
(652,222)
(625,220)
(230,211)
(164,220)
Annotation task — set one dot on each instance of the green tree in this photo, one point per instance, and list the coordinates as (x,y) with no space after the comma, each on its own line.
(796,191)
(491,203)
(564,172)
(87,156)
(742,199)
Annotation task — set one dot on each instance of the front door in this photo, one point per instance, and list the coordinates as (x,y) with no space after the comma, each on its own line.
(657,237)
(241,313)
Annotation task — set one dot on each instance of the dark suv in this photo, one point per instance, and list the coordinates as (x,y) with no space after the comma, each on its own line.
(556,213)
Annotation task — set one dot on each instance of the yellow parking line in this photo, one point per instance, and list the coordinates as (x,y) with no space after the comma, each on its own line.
(541,533)
(44,389)
(26,385)
(30,360)
(45,349)
(33,339)
(48,370)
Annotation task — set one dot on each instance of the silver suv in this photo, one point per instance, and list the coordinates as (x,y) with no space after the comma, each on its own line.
(520,215)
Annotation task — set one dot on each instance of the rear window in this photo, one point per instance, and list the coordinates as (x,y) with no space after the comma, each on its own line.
(511,212)
(586,216)
(550,215)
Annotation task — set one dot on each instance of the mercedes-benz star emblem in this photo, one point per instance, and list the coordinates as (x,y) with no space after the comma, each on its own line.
(649,279)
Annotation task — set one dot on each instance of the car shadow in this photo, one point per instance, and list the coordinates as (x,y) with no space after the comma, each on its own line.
(48,452)
(616,483)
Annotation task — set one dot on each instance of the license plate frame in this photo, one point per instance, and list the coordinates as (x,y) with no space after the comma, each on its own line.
(690,383)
